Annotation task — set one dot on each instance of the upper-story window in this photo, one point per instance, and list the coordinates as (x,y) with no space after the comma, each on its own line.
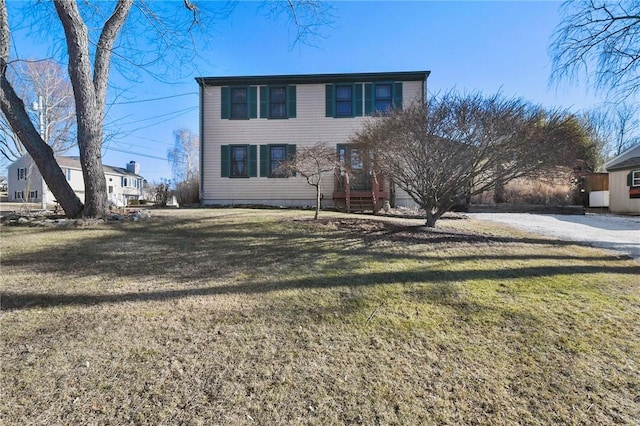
(239,103)
(22,173)
(382,97)
(239,107)
(343,100)
(383,100)
(277,102)
(68,173)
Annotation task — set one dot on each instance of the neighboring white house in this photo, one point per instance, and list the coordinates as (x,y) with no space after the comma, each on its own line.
(26,183)
(248,125)
(624,182)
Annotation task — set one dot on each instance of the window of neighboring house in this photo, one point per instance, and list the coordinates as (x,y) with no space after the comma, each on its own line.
(635,178)
(110,189)
(33,195)
(68,173)
(239,101)
(22,173)
(18,195)
(344,101)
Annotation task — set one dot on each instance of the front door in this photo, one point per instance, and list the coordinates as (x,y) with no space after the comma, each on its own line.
(352,162)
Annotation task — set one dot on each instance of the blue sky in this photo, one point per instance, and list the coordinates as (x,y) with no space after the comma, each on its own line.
(468,46)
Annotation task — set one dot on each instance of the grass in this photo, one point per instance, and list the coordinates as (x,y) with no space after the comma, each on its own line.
(266,317)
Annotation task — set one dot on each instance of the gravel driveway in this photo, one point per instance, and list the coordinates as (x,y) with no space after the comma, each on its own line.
(619,233)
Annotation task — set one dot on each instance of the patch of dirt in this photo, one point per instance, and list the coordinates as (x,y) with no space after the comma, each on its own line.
(405,232)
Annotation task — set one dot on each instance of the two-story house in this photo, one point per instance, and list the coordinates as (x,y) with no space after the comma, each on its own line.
(27,185)
(249,125)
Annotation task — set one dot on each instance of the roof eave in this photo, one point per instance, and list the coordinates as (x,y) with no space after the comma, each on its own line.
(314,78)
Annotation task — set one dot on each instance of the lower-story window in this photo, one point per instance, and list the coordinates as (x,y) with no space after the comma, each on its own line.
(272,157)
(33,195)
(635,178)
(277,156)
(238,160)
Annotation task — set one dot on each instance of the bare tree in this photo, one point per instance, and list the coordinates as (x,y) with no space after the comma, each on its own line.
(54,114)
(184,160)
(312,163)
(184,155)
(625,127)
(613,127)
(602,40)
(91,30)
(459,146)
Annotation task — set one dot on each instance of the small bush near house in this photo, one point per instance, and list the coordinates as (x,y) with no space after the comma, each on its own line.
(133,202)
(188,192)
(162,192)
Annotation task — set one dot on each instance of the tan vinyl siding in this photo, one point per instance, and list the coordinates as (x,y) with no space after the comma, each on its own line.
(619,200)
(309,126)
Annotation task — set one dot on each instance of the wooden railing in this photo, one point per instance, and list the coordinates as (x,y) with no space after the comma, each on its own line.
(370,197)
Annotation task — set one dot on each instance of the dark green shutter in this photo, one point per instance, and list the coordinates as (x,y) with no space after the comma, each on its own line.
(397,95)
(368,99)
(630,179)
(252,94)
(329,109)
(264,160)
(225,161)
(291,101)
(225,103)
(253,161)
(357,100)
(291,153)
(264,102)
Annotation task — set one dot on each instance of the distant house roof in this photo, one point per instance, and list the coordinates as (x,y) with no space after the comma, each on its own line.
(315,78)
(629,159)
(74,162)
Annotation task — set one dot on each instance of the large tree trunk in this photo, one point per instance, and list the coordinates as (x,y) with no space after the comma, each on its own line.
(41,153)
(90,94)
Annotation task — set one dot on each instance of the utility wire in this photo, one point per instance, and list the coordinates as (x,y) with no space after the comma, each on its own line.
(135,153)
(153,99)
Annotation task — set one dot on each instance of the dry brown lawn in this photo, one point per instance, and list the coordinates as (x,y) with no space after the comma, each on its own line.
(267,317)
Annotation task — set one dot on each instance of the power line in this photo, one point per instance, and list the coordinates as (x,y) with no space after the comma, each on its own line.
(177,114)
(135,153)
(153,99)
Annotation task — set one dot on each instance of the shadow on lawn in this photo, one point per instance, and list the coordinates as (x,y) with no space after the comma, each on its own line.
(15,300)
(196,253)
